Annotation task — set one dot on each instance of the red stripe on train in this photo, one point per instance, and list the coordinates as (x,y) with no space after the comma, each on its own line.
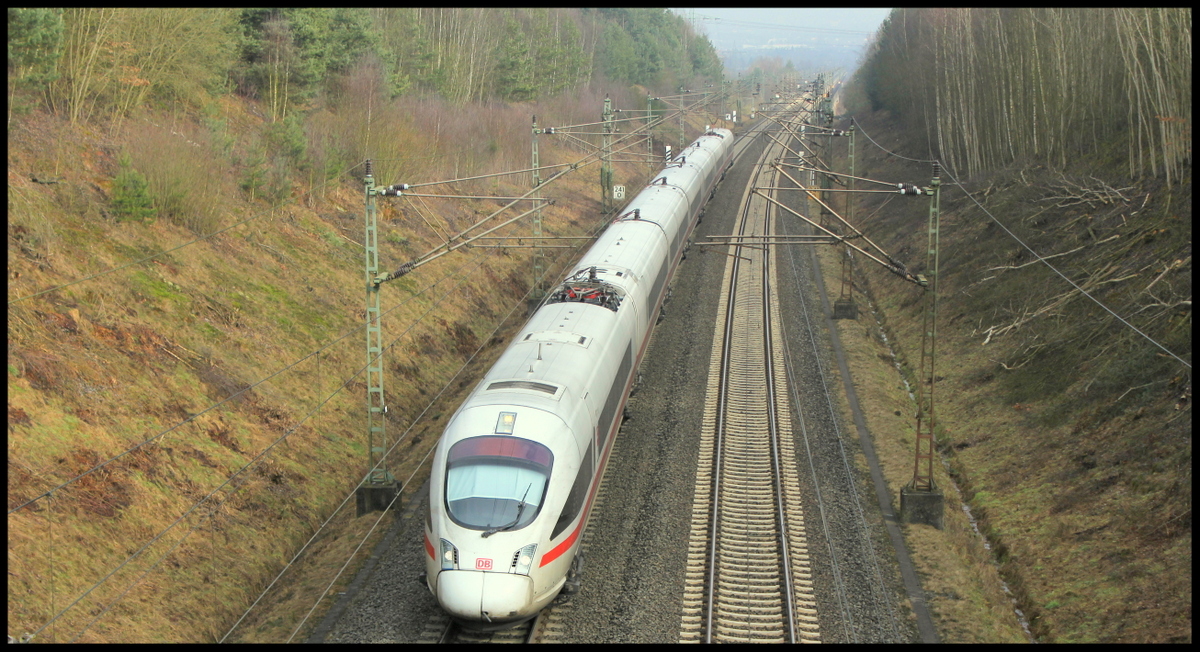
(564,546)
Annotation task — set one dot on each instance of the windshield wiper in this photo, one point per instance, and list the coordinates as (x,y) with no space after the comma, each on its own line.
(520,508)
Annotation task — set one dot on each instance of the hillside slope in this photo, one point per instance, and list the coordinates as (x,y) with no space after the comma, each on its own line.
(212,396)
(1069,430)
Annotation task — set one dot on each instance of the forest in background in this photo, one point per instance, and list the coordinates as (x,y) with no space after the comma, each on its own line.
(1064,330)
(95,62)
(995,86)
(185,280)
(321,79)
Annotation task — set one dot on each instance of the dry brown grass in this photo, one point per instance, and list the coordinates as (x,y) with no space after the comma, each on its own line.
(97,367)
(961,584)
(188,179)
(1074,454)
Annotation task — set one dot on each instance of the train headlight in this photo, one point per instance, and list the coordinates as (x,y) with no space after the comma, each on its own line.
(506,423)
(449,556)
(523,560)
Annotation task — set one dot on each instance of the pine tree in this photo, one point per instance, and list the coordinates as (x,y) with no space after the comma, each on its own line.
(34,45)
(130,195)
(514,70)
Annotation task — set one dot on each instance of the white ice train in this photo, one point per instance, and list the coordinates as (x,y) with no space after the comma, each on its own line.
(517,468)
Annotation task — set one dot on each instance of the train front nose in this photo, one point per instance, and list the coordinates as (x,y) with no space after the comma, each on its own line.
(485,597)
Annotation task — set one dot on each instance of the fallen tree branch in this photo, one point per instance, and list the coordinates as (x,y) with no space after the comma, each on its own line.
(1173,265)
(1138,387)
(1093,282)
(1071,193)
(1050,256)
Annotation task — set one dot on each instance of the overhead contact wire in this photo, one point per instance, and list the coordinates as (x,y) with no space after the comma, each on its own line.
(416,420)
(1021,242)
(206,498)
(167,251)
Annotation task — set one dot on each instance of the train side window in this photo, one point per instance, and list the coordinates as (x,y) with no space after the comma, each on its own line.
(578,495)
(615,394)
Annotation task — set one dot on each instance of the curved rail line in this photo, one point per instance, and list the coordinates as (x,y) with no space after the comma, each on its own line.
(546,628)
(748,576)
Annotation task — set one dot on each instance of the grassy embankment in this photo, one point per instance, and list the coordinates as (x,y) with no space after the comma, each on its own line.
(272,309)
(1067,433)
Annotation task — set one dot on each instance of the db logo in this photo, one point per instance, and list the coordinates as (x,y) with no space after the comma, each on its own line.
(483,564)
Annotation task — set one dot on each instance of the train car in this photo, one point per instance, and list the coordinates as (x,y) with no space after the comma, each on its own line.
(517,468)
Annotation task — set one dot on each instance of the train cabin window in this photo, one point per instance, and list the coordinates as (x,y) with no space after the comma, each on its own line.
(496,483)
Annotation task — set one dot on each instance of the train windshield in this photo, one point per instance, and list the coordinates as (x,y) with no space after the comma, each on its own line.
(496,482)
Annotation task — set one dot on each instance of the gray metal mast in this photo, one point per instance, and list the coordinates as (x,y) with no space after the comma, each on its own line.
(606,171)
(920,500)
(538,262)
(649,140)
(379,488)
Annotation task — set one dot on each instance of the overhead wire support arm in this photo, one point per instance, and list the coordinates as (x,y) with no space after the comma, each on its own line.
(770,115)
(841,219)
(811,154)
(807,126)
(906,190)
(896,269)
(798,135)
(413,194)
(541,237)
(833,132)
(440,250)
(772,239)
(596,124)
(482,176)
(517,245)
(579,140)
(572,135)
(684,95)
(848,176)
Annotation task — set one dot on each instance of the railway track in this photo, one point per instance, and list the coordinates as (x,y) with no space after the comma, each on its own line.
(633,578)
(441,629)
(748,577)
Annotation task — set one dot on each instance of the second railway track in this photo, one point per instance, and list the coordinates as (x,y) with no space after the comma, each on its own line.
(748,576)
(638,578)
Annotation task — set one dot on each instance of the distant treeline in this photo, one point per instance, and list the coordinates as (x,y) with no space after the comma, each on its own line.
(88,62)
(993,86)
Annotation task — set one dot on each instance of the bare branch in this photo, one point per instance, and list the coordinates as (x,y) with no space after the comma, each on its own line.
(1071,193)
(1050,256)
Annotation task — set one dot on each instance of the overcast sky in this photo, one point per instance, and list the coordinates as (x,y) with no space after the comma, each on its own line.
(736,28)
(837,33)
